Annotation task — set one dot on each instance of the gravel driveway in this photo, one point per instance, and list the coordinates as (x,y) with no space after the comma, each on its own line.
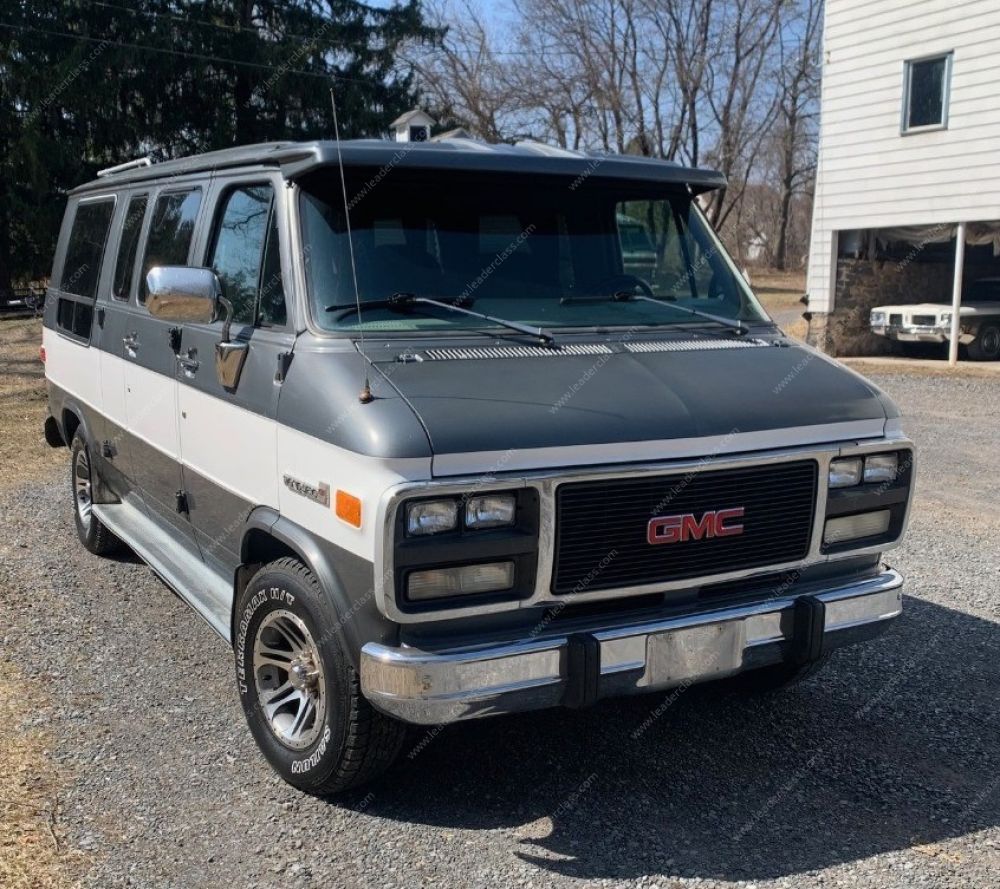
(883,771)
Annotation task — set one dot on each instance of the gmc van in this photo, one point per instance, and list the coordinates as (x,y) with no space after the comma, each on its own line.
(437,433)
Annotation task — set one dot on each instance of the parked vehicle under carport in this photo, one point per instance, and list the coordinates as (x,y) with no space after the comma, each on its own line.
(915,325)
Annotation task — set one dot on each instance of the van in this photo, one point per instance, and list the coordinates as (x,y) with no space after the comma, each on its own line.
(424,438)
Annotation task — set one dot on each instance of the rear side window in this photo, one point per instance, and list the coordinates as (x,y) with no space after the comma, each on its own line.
(245,255)
(75,317)
(87,238)
(129,246)
(170,232)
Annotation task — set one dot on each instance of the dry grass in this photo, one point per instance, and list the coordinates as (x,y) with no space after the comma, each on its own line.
(779,290)
(32,853)
(24,455)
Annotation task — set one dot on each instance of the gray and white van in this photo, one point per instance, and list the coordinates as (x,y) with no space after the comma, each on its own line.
(425,437)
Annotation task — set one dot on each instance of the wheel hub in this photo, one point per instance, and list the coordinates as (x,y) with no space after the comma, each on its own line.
(303,675)
(288,676)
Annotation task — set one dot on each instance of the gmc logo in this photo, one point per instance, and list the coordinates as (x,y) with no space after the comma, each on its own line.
(679,528)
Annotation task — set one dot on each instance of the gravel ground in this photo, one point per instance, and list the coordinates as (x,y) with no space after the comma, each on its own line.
(883,771)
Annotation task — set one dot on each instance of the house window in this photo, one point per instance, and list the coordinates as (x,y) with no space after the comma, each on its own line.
(925,92)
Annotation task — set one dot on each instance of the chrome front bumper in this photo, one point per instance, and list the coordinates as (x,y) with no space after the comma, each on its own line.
(432,687)
(920,334)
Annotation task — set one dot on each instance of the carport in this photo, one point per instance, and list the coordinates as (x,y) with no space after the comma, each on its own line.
(973,234)
(909,265)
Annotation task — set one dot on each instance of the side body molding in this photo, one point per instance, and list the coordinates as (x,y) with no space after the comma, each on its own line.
(347,579)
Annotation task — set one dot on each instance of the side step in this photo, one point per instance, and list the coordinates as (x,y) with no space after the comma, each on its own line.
(185,573)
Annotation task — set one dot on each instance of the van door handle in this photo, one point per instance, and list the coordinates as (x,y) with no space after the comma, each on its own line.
(189,363)
(131,343)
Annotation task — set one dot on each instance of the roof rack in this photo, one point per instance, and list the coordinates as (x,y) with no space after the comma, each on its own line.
(128,165)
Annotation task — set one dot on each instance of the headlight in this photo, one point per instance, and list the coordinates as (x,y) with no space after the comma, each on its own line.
(431,517)
(878,318)
(945,319)
(490,511)
(845,473)
(854,527)
(440,583)
(881,468)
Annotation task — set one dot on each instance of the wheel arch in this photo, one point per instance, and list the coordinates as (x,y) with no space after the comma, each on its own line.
(268,536)
(73,418)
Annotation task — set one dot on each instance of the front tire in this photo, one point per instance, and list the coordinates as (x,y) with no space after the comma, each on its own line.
(300,694)
(986,345)
(92,533)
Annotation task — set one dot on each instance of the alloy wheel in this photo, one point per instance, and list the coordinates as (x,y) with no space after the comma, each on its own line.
(288,673)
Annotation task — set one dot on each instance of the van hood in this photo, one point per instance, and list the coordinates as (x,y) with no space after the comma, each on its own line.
(494,409)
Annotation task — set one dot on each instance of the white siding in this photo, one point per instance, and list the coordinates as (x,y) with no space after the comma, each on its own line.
(870,175)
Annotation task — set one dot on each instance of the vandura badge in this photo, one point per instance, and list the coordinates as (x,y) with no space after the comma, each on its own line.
(681,528)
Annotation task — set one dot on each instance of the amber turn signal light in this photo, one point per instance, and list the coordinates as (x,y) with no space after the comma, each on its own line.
(348,508)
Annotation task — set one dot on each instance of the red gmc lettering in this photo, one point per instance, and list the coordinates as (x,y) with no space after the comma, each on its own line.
(680,528)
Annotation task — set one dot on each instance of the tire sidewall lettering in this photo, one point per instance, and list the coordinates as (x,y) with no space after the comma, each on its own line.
(301,766)
(274,595)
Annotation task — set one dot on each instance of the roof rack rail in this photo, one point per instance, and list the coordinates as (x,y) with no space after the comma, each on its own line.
(128,165)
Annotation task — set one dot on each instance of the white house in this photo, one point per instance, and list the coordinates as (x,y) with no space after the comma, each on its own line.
(909,160)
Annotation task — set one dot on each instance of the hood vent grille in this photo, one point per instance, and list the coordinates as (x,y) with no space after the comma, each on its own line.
(693,345)
(486,352)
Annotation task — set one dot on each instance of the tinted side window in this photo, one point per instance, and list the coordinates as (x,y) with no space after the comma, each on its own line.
(87,238)
(245,255)
(75,317)
(128,247)
(170,232)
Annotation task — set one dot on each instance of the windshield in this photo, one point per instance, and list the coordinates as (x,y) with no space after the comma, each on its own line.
(545,251)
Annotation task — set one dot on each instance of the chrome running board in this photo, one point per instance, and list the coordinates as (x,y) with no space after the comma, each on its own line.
(202,589)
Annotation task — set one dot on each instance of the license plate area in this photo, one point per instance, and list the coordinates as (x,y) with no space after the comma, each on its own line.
(703,652)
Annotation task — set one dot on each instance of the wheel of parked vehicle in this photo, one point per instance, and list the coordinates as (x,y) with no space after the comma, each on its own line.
(986,345)
(775,677)
(93,534)
(300,694)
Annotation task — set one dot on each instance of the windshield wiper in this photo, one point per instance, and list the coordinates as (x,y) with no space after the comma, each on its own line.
(407,300)
(623,296)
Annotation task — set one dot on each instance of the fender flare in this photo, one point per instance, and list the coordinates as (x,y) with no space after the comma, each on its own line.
(72,406)
(305,546)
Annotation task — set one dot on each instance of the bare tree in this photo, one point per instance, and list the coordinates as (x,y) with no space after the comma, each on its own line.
(698,81)
(464,80)
(742,110)
(798,110)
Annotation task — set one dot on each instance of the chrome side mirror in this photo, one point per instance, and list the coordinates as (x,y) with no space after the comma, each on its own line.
(194,296)
(183,294)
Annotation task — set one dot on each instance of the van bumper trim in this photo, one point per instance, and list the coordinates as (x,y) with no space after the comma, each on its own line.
(431,687)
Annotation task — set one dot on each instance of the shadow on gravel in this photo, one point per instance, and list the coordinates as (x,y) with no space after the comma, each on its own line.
(893,745)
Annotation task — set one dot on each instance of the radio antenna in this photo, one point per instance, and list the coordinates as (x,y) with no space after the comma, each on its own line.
(365,395)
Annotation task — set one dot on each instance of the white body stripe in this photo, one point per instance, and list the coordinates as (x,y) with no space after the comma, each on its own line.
(112,383)
(73,367)
(150,404)
(243,452)
(313,461)
(230,446)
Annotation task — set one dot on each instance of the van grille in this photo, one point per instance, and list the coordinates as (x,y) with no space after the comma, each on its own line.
(925,320)
(601,526)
